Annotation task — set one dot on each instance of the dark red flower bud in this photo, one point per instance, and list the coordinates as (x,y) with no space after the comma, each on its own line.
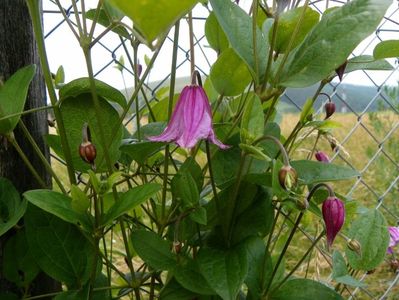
(394,263)
(176,247)
(139,69)
(341,70)
(330,109)
(321,156)
(287,177)
(334,216)
(87,152)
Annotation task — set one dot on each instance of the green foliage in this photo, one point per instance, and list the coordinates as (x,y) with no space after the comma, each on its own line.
(12,206)
(154,19)
(13,96)
(304,289)
(329,44)
(371,231)
(229,74)
(237,26)
(59,248)
(340,271)
(300,21)
(386,49)
(214,34)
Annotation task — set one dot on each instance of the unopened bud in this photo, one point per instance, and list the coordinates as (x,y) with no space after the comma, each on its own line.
(341,70)
(355,246)
(302,204)
(330,109)
(394,263)
(139,69)
(322,157)
(176,247)
(87,152)
(287,177)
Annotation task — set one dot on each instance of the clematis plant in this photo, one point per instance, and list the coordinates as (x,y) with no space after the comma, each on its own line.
(192,118)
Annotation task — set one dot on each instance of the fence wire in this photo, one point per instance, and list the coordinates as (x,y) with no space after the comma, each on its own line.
(380,157)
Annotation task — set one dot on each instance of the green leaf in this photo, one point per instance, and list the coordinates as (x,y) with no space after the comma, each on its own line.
(305,289)
(252,122)
(130,200)
(371,231)
(153,250)
(330,42)
(80,201)
(229,74)
(185,189)
(80,86)
(12,208)
(386,49)
(105,21)
(154,18)
(55,203)
(237,26)
(307,111)
(59,248)
(224,271)
(260,267)
(340,272)
(19,266)
(79,110)
(188,275)
(199,216)
(141,151)
(59,76)
(13,96)
(256,220)
(214,34)
(310,172)
(287,24)
(367,62)
(225,165)
(174,291)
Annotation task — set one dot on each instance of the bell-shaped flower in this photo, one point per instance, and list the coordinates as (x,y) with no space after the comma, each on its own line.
(191,120)
(321,156)
(393,238)
(334,216)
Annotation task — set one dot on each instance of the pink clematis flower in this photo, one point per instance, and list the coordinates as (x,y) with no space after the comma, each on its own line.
(334,216)
(191,120)
(394,238)
(321,156)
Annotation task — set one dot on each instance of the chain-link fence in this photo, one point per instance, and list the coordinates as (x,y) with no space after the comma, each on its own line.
(368,102)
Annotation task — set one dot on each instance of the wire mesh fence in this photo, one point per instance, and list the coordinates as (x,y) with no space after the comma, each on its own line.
(371,117)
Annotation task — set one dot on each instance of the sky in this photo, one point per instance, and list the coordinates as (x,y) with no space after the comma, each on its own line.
(63,49)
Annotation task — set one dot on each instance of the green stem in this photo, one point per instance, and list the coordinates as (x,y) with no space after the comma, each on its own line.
(28,111)
(41,156)
(136,80)
(271,50)
(232,204)
(299,262)
(96,102)
(170,108)
(26,160)
(280,258)
(254,41)
(291,43)
(34,11)
(215,194)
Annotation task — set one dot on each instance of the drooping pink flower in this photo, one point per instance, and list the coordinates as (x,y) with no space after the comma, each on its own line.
(321,156)
(191,120)
(334,216)
(393,238)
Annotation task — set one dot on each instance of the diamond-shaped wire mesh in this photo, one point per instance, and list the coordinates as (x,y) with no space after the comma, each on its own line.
(375,135)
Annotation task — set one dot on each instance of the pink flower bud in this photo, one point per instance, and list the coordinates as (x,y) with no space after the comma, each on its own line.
(393,238)
(321,156)
(334,216)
